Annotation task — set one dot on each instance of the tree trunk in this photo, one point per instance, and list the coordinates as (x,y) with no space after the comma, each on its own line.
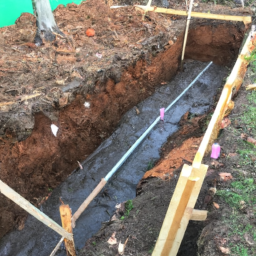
(46,24)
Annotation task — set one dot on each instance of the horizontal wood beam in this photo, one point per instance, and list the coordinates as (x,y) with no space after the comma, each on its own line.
(199,215)
(245,19)
(27,206)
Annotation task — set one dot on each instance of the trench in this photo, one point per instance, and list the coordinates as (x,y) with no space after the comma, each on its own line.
(109,105)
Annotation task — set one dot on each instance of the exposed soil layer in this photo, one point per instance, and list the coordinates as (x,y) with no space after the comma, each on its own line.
(50,84)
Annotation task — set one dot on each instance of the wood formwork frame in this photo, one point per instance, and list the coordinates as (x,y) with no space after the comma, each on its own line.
(181,208)
(245,19)
(170,237)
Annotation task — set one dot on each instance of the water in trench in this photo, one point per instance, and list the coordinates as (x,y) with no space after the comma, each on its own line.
(37,239)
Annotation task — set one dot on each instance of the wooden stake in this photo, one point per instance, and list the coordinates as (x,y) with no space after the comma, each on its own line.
(186,33)
(180,211)
(145,12)
(66,215)
(245,19)
(87,201)
(27,206)
(178,216)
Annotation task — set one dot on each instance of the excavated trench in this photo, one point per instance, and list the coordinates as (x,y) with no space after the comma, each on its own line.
(42,162)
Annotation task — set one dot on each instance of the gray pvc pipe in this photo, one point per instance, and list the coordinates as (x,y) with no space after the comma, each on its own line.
(140,139)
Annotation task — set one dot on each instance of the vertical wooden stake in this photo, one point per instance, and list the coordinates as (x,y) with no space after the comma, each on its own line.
(186,33)
(66,215)
(148,5)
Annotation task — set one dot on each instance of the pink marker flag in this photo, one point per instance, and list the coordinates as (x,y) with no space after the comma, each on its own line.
(215,151)
(162,114)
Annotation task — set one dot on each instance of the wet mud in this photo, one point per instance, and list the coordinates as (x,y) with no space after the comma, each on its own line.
(37,239)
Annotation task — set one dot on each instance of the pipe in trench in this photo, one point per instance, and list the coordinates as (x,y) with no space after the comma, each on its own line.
(103,182)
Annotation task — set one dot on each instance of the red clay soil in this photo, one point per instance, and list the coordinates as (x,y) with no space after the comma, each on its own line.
(180,148)
(136,57)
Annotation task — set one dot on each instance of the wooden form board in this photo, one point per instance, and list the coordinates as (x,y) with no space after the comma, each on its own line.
(232,85)
(245,19)
(27,206)
(162,241)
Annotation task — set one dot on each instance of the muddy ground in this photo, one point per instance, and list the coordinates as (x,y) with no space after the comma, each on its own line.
(50,84)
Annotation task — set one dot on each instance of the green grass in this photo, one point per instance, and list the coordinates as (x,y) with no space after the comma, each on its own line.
(128,207)
(241,190)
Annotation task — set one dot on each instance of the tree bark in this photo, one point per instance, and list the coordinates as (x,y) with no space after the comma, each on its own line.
(46,25)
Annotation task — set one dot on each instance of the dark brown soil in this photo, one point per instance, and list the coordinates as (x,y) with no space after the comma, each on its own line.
(35,86)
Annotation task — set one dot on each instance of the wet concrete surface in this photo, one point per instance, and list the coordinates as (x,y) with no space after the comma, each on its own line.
(37,239)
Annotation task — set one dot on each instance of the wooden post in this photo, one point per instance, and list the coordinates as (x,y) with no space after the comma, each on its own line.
(27,206)
(245,19)
(186,33)
(66,215)
(179,213)
(145,12)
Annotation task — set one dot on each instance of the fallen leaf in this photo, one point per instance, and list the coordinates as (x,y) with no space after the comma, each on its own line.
(120,208)
(112,240)
(121,247)
(170,42)
(212,190)
(224,250)
(225,122)
(225,176)
(232,154)
(137,111)
(81,167)
(251,140)
(216,164)
(248,239)
(216,205)
(114,218)
(98,55)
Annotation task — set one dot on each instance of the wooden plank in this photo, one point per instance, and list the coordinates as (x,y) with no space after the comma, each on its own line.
(185,173)
(87,201)
(66,216)
(182,206)
(186,33)
(27,206)
(191,204)
(245,19)
(199,215)
(234,81)
(167,227)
